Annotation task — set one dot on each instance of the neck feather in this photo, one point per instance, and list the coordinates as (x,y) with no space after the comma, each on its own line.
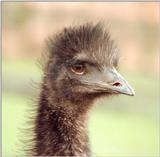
(61,128)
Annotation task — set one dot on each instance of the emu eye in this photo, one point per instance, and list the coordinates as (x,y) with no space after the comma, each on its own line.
(78,69)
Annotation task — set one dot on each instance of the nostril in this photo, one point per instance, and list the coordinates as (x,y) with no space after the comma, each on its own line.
(117,84)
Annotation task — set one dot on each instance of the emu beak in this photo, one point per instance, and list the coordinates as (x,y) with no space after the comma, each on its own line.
(116,83)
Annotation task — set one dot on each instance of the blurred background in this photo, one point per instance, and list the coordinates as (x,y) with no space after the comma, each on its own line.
(118,126)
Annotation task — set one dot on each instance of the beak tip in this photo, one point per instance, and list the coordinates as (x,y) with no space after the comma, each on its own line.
(132,93)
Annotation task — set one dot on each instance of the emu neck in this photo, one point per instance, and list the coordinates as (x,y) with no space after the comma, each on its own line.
(61,128)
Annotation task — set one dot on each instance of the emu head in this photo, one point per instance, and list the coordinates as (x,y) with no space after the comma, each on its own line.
(84,60)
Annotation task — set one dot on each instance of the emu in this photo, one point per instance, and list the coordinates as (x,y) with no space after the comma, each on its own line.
(81,67)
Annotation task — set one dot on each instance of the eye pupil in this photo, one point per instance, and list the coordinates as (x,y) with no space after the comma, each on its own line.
(78,69)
